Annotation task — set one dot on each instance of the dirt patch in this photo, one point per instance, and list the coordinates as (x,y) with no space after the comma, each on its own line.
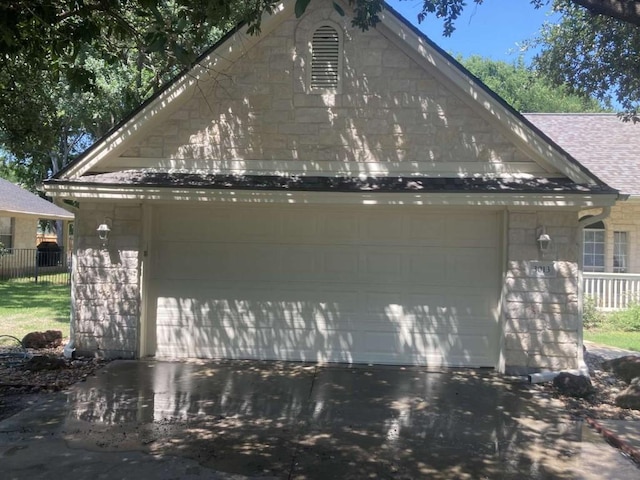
(600,405)
(23,384)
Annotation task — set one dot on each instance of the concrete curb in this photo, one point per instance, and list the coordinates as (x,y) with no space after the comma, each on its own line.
(614,440)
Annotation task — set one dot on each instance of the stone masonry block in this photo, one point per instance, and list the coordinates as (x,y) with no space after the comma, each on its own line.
(128,212)
(522,364)
(97,291)
(523,220)
(546,342)
(119,276)
(517,236)
(542,322)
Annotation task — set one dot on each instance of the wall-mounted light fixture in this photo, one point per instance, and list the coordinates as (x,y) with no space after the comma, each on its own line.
(544,240)
(103,231)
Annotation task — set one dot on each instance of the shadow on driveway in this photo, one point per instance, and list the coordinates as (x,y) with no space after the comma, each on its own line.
(234,420)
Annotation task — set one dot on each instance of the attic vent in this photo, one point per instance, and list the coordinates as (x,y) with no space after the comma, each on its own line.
(325,58)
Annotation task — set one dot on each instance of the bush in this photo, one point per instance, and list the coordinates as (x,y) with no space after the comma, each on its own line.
(626,320)
(591,316)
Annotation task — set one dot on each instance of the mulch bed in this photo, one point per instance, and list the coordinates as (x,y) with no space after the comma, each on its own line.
(26,376)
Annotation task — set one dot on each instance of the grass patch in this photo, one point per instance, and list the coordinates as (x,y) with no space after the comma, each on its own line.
(29,307)
(623,340)
(617,329)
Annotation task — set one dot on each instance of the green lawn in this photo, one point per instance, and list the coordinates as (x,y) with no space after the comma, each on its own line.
(624,340)
(29,307)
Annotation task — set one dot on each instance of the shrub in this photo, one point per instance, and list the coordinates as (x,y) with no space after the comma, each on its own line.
(591,316)
(626,320)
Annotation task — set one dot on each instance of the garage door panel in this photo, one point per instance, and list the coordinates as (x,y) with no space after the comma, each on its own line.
(484,228)
(315,284)
(468,267)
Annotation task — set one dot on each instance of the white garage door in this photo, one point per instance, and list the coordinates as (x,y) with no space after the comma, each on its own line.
(396,285)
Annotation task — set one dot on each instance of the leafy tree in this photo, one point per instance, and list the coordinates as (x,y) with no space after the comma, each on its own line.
(59,54)
(593,55)
(525,89)
(53,106)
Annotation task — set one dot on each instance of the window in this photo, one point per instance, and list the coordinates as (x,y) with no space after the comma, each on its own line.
(325,59)
(7,226)
(620,257)
(593,256)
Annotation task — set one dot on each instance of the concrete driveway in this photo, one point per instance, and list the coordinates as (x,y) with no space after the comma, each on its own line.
(164,420)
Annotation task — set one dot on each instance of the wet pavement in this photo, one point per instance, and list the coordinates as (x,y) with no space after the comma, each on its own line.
(236,420)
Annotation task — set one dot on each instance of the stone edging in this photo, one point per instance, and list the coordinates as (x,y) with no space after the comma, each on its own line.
(615,440)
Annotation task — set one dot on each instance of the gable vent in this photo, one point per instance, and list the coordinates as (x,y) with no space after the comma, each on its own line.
(325,58)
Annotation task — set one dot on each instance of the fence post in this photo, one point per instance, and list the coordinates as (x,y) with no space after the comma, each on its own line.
(36,268)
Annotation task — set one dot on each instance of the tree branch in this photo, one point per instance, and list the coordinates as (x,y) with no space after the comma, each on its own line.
(625,10)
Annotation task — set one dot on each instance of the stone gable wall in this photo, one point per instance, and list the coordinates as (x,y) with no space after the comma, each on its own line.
(390,116)
(106,281)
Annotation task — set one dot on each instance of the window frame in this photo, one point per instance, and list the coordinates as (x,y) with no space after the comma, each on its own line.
(620,251)
(11,235)
(594,266)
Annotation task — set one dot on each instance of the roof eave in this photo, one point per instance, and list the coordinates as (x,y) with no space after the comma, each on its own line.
(115,192)
(42,215)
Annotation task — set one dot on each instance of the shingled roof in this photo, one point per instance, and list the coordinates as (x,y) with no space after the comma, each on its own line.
(134,178)
(16,200)
(603,143)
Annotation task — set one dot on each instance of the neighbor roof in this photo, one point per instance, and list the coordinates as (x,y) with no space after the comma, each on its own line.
(603,143)
(14,199)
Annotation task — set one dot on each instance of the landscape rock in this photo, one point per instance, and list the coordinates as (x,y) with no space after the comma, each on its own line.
(38,340)
(630,398)
(45,362)
(626,368)
(573,385)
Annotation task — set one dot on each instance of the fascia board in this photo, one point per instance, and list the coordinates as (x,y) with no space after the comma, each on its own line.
(522,135)
(169,99)
(140,193)
(24,213)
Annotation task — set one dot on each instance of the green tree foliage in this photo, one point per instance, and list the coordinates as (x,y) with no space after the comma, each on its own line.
(593,55)
(525,89)
(71,68)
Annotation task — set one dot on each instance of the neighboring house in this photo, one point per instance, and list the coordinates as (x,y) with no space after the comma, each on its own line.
(20,211)
(319,193)
(610,149)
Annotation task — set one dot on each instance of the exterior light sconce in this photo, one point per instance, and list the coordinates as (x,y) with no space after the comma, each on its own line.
(103,231)
(544,241)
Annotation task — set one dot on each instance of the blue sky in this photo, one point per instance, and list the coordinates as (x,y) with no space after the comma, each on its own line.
(494,29)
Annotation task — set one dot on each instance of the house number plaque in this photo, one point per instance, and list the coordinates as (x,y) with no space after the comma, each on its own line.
(541,269)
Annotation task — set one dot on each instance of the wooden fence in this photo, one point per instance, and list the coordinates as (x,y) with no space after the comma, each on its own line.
(612,291)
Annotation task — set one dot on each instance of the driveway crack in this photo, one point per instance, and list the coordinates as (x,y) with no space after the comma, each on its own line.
(294,457)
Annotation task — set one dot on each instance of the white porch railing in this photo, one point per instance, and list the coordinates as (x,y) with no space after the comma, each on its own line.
(612,291)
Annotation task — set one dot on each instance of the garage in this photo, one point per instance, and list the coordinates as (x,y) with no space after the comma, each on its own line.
(347,283)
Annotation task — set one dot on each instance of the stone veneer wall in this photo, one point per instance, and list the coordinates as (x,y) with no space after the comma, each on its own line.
(106,281)
(541,316)
(391,115)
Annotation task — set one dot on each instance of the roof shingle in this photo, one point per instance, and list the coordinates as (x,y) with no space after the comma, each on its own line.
(14,199)
(603,143)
